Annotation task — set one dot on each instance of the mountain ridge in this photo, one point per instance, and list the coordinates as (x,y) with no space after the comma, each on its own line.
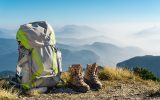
(149,62)
(102,53)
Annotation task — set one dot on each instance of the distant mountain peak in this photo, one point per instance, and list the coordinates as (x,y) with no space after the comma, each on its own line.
(76,31)
(6,33)
(148,32)
(78,27)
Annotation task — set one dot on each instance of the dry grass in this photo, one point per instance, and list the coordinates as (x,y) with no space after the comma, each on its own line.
(34,92)
(110,73)
(153,86)
(7,94)
(66,77)
(117,75)
(118,79)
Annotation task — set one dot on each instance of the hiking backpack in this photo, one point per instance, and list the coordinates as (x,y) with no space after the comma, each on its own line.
(38,57)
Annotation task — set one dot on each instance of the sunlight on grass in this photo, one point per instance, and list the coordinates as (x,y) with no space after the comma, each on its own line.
(7,93)
(110,73)
(66,77)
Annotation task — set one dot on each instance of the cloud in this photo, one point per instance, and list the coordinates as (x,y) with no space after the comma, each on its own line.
(143,35)
(150,33)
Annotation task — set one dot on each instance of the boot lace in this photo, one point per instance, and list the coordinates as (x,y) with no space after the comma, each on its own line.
(93,75)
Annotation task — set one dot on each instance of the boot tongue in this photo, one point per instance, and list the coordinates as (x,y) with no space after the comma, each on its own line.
(94,69)
(78,69)
(75,69)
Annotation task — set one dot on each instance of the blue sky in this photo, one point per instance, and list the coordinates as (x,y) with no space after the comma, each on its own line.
(80,12)
(119,19)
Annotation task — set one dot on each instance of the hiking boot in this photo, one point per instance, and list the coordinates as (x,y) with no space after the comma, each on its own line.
(91,77)
(77,82)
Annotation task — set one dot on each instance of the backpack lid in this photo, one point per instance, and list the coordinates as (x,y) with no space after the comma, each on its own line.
(36,34)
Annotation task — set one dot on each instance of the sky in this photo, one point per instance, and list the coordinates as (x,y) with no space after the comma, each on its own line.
(120,19)
(94,12)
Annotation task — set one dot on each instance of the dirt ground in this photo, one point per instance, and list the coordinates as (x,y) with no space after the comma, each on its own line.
(112,90)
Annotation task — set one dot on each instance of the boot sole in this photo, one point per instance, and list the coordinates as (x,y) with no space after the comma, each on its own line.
(78,88)
(93,86)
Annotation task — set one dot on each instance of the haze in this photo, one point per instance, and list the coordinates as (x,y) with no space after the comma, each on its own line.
(127,22)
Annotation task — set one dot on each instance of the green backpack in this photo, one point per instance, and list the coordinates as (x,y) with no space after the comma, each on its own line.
(39,61)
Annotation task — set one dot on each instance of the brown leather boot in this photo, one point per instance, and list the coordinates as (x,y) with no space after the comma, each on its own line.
(91,77)
(77,82)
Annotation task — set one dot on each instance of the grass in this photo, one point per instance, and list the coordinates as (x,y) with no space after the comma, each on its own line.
(66,77)
(109,76)
(145,74)
(154,93)
(125,76)
(7,93)
(110,73)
